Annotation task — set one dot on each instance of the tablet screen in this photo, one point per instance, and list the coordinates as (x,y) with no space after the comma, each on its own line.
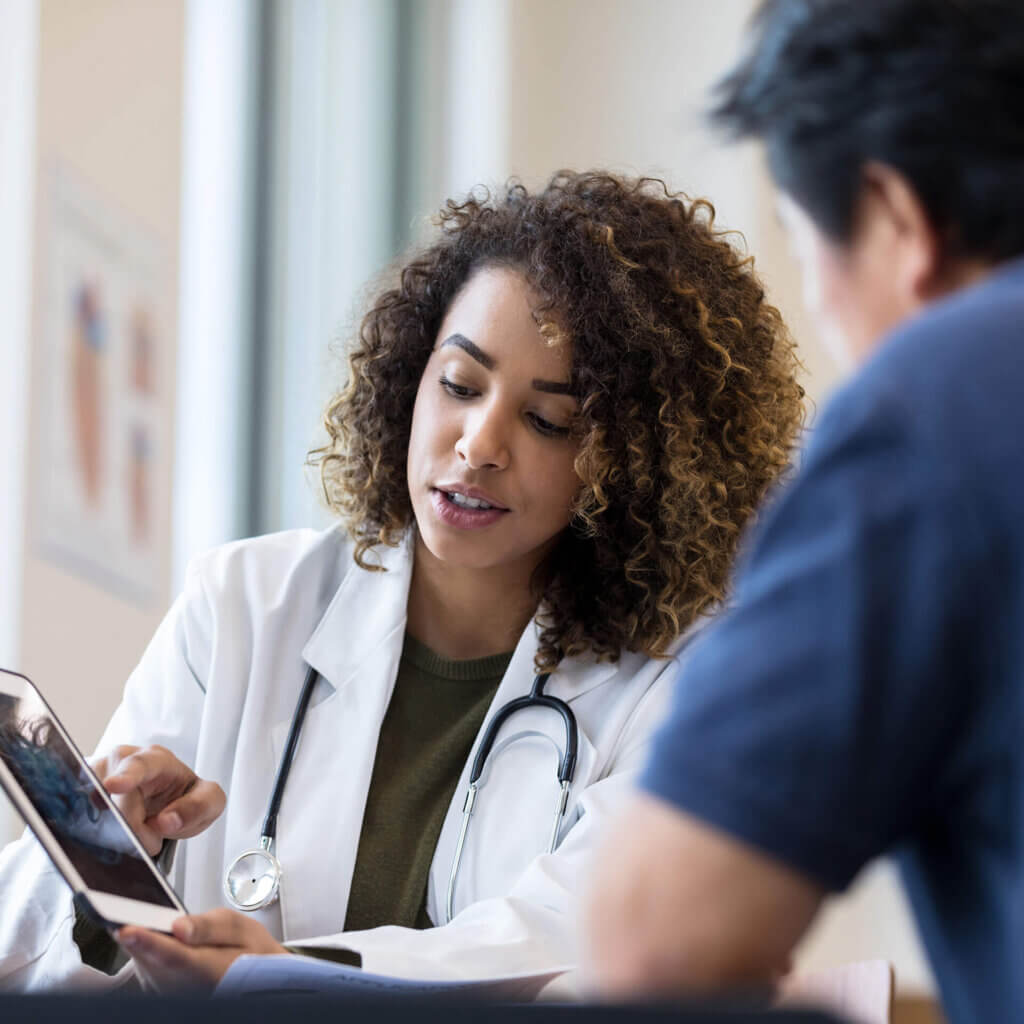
(92,837)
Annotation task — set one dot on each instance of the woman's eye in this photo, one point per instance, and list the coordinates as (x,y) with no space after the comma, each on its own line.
(457,390)
(547,428)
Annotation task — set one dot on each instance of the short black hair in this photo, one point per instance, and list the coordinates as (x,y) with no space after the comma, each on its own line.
(932,88)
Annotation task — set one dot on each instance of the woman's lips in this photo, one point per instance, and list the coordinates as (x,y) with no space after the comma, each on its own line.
(459,516)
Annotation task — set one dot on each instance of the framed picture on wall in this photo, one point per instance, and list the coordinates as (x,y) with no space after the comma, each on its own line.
(99,447)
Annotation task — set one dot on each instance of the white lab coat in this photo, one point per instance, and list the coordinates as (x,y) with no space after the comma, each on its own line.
(218,686)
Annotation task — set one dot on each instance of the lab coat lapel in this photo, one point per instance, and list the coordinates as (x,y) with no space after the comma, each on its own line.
(356,648)
(367,607)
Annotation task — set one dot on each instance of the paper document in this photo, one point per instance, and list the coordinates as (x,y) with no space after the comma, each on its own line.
(298,975)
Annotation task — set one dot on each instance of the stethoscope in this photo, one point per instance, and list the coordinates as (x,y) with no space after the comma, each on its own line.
(253,879)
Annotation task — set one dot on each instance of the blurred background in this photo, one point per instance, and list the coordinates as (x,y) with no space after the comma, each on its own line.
(196,198)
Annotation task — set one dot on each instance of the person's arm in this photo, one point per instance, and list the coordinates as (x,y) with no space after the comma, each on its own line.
(676,905)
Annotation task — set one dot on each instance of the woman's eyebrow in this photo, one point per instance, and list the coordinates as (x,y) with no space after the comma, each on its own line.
(461,341)
(551,387)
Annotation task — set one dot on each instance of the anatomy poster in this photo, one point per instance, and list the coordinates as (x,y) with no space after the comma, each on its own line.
(100,451)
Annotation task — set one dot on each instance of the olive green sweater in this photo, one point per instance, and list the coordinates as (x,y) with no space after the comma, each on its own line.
(435,713)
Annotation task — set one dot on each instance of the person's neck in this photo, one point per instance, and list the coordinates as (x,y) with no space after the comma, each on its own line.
(952,276)
(468,613)
(955,275)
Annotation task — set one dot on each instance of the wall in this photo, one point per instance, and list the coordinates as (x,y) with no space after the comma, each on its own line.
(625,85)
(107,110)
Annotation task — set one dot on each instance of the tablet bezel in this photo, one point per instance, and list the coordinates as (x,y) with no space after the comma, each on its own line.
(109,909)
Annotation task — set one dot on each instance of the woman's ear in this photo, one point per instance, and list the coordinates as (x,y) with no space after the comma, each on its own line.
(892,211)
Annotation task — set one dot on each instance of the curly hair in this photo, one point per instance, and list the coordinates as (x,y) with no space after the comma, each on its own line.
(688,402)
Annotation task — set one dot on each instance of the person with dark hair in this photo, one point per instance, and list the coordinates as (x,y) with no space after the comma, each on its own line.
(558,420)
(864,693)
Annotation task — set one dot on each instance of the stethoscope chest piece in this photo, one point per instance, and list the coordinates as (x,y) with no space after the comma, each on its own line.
(253,878)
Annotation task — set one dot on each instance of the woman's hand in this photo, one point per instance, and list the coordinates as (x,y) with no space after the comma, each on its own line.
(161,797)
(203,947)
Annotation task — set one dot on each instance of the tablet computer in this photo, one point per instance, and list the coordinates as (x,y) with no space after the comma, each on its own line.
(63,802)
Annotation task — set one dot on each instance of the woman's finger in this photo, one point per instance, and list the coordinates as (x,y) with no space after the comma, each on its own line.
(153,947)
(106,766)
(153,771)
(192,813)
(220,927)
(166,961)
(133,808)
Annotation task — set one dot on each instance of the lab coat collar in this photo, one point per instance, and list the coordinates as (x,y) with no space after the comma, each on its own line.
(367,609)
(572,678)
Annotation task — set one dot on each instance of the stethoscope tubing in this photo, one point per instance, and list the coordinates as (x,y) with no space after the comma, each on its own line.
(566,770)
(535,698)
(269,829)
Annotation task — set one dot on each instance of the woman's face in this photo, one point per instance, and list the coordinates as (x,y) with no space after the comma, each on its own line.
(490,466)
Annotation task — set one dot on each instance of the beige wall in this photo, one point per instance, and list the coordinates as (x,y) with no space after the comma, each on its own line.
(608,83)
(109,111)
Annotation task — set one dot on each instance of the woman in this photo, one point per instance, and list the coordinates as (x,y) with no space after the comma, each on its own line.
(556,426)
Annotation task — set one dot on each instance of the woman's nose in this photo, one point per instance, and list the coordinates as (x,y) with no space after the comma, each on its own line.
(484,441)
